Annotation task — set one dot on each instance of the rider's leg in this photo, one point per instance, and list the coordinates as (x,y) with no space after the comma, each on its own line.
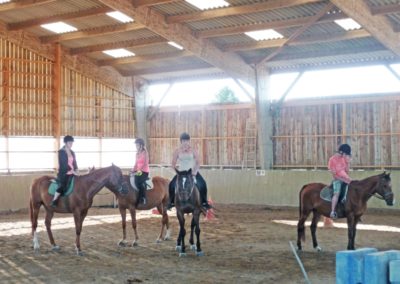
(336,191)
(202,186)
(139,182)
(171,189)
(64,181)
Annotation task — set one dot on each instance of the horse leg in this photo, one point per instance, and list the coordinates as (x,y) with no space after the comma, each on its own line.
(122,211)
(134,225)
(180,243)
(34,212)
(196,218)
(192,228)
(47,222)
(351,231)
(78,218)
(164,223)
(301,236)
(313,228)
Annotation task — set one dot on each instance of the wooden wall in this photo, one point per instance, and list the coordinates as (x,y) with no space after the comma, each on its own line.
(217,132)
(306,132)
(89,107)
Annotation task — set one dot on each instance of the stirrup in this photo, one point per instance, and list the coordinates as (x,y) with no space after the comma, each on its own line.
(333,215)
(206,205)
(54,203)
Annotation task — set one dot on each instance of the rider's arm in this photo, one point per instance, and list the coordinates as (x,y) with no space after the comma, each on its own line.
(175,158)
(196,163)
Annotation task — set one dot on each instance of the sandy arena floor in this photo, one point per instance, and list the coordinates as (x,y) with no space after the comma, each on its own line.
(244,244)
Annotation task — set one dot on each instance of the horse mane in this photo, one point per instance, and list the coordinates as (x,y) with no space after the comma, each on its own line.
(360,183)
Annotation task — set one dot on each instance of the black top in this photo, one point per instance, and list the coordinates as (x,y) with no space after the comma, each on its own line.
(63,166)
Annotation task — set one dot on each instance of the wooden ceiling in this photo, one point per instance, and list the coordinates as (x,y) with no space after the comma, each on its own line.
(214,41)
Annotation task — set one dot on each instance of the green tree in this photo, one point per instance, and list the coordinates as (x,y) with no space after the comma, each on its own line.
(226,95)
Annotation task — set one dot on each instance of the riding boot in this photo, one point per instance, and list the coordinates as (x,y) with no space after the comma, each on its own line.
(55,199)
(204,202)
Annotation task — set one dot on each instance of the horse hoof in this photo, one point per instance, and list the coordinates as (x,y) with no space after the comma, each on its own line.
(193,247)
(182,254)
(135,244)
(79,253)
(199,253)
(178,248)
(318,248)
(158,241)
(55,248)
(122,243)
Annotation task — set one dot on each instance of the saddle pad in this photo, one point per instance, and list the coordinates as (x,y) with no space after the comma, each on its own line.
(54,185)
(326,193)
(149,183)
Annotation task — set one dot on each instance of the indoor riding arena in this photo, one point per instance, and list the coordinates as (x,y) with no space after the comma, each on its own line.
(290,100)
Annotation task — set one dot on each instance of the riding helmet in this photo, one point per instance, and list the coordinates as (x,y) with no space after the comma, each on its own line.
(184,136)
(68,138)
(345,149)
(139,141)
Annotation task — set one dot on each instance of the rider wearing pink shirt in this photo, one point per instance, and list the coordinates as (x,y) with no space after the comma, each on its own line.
(339,165)
(141,169)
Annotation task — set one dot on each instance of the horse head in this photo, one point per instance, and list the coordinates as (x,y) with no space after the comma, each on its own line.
(184,184)
(384,188)
(116,182)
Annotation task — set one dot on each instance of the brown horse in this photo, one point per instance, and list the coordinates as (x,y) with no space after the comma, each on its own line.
(78,202)
(187,200)
(157,197)
(359,193)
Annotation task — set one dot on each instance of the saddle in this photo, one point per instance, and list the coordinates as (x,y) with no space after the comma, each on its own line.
(149,183)
(327,194)
(54,184)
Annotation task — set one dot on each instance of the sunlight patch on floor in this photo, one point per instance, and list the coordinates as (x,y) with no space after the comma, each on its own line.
(367,227)
(24,227)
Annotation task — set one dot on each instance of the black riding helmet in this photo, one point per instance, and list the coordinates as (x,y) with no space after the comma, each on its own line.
(345,149)
(184,136)
(139,141)
(68,138)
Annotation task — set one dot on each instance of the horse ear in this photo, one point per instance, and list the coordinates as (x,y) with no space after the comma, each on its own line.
(190,171)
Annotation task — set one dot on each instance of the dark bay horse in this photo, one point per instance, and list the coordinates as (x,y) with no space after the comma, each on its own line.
(359,193)
(157,197)
(77,203)
(187,200)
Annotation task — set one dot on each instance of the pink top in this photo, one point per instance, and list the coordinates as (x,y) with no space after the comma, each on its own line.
(339,167)
(142,162)
(71,165)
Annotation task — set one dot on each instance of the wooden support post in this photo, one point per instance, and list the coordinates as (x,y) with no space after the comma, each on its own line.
(56,98)
(140,88)
(6,98)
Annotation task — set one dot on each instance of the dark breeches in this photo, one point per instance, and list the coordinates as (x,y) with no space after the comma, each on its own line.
(64,180)
(140,182)
(201,185)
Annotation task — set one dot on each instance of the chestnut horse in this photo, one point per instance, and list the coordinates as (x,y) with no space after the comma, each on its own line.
(187,200)
(77,203)
(359,192)
(157,197)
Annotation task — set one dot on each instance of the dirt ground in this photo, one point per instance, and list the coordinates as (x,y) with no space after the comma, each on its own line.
(244,244)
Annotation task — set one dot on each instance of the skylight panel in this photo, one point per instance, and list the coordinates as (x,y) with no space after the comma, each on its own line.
(118,53)
(208,4)
(120,17)
(174,44)
(348,24)
(59,27)
(264,35)
(4,1)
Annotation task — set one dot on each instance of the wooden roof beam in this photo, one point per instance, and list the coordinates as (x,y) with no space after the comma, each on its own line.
(386,9)
(23,4)
(138,3)
(121,44)
(144,58)
(236,10)
(168,69)
(270,25)
(205,49)
(377,25)
(57,18)
(299,41)
(101,31)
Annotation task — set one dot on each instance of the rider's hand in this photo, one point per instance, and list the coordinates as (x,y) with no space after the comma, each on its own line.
(138,173)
